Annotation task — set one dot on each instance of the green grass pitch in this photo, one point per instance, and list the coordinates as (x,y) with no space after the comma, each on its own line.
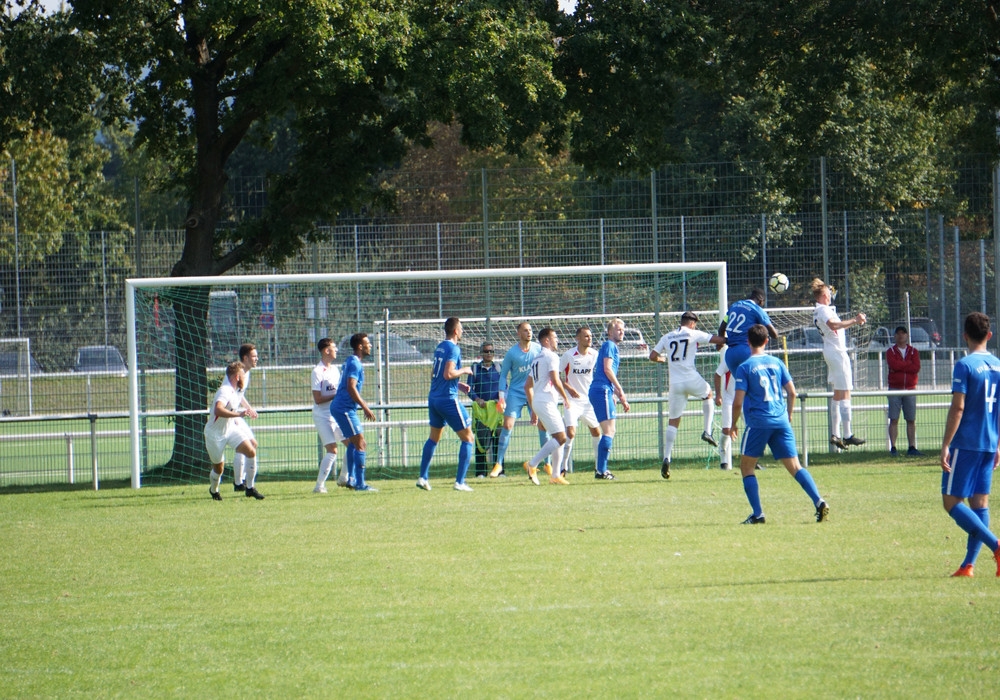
(634,588)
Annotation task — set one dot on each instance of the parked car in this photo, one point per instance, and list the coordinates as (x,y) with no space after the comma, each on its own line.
(926,324)
(399,349)
(99,359)
(426,346)
(803,338)
(884,337)
(13,364)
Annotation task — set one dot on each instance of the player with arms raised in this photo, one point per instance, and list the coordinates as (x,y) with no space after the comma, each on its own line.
(678,349)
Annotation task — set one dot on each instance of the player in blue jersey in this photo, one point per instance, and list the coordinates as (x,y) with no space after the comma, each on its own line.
(761,384)
(443,406)
(344,409)
(969,448)
(603,390)
(513,371)
(740,317)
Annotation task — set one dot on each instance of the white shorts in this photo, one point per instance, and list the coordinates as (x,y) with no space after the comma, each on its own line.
(839,370)
(580,409)
(216,444)
(696,388)
(549,415)
(329,431)
(241,426)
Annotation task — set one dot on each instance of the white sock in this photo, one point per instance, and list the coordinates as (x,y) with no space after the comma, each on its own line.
(345,472)
(726,450)
(567,451)
(845,417)
(548,448)
(708,412)
(669,435)
(214,478)
(239,468)
(835,418)
(596,439)
(325,466)
(251,471)
(557,458)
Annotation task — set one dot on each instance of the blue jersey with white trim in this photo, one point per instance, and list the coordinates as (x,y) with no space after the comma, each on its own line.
(517,363)
(342,400)
(977,376)
(441,388)
(763,378)
(601,381)
(742,315)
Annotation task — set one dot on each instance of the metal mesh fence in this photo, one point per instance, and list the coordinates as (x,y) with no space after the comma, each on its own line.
(65,290)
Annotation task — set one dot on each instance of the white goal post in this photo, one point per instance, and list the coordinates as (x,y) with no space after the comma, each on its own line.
(419,280)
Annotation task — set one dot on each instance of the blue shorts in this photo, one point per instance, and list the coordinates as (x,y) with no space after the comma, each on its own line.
(450,411)
(736,356)
(350,424)
(971,473)
(516,401)
(603,401)
(781,440)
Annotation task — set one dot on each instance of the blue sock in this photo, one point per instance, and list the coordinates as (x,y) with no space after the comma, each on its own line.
(974,544)
(425,459)
(464,457)
(603,451)
(753,494)
(350,457)
(808,485)
(359,468)
(502,444)
(968,521)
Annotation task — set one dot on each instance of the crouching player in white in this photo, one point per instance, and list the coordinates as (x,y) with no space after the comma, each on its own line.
(761,384)
(725,393)
(576,366)
(543,389)
(222,430)
(678,349)
(325,380)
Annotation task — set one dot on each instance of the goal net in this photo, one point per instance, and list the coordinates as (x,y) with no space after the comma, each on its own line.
(183,330)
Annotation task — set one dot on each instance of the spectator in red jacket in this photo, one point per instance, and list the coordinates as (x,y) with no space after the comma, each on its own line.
(904,366)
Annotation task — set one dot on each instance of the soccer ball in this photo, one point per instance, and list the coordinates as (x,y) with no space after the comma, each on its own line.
(778,283)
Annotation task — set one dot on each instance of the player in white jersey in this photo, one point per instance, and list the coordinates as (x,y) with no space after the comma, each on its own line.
(678,349)
(324,380)
(838,364)
(243,465)
(576,367)
(544,389)
(222,429)
(725,393)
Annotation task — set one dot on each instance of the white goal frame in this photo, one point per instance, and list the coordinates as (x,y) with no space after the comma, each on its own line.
(26,342)
(131,285)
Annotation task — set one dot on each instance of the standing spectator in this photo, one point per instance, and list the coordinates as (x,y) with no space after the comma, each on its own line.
(324,380)
(762,382)
(969,448)
(513,372)
(443,406)
(484,390)
(344,409)
(603,390)
(221,429)
(904,366)
(838,364)
(678,349)
(577,368)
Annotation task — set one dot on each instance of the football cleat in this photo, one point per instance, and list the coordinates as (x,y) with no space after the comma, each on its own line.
(561,481)
(822,511)
(344,479)
(366,487)
(665,469)
(532,473)
(964,571)
(251,492)
(424,484)
(725,467)
(216,496)
(837,442)
(462,487)
(606,476)
(497,470)
(707,437)
(996,558)
(914,452)
(548,468)
(755,520)
(854,440)
(893,452)
(239,487)
(319,489)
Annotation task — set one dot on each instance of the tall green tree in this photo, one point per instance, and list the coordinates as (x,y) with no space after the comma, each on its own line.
(360,80)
